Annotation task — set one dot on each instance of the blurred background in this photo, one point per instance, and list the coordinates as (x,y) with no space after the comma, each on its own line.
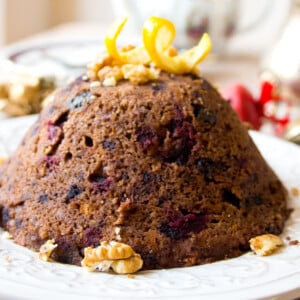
(22,18)
(254,42)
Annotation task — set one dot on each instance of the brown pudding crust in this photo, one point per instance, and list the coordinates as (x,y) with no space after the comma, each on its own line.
(168,162)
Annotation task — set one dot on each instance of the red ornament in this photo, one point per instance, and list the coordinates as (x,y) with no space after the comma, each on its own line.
(254,111)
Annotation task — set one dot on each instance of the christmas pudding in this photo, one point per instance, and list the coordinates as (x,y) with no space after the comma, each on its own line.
(141,151)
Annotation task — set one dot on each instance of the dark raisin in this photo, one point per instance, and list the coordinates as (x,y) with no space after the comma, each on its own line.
(146,177)
(149,259)
(257,200)
(273,229)
(91,237)
(158,86)
(4,216)
(18,223)
(101,185)
(74,191)
(170,232)
(108,145)
(209,168)
(43,198)
(179,226)
(125,176)
(205,115)
(80,100)
(161,200)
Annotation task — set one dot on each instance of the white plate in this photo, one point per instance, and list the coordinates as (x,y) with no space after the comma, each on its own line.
(23,276)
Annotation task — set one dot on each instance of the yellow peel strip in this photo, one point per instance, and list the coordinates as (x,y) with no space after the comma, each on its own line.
(135,56)
(158,35)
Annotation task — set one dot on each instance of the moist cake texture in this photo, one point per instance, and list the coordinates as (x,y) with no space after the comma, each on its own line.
(165,167)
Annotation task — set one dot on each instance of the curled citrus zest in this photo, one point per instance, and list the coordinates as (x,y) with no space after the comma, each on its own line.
(158,35)
(137,55)
(197,54)
(141,64)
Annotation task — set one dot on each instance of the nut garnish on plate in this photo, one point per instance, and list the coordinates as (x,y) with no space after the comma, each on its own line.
(118,256)
(46,250)
(6,235)
(265,244)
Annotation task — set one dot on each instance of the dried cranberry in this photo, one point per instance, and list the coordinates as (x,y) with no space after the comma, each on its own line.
(51,161)
(182,142)
(179,225)
(53,131)
(102,185)
(91,237)
(147,137)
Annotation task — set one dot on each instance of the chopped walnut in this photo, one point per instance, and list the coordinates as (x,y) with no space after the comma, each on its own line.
(109,71)
(265,244)
(117,233)
(127,266)
(138,74)
(118,256)
(95,83)
(46,250)
(110,81)
(6,235)
(112,72)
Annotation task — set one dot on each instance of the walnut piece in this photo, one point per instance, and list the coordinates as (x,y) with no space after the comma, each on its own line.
(118,256)
(109,71)
(265,244)
(7,235)
(46,250)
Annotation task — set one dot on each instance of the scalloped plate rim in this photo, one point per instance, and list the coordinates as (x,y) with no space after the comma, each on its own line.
(285,286)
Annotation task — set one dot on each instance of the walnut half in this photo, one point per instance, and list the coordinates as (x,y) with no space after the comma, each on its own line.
(46,250)
(118,256)
(265,244)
